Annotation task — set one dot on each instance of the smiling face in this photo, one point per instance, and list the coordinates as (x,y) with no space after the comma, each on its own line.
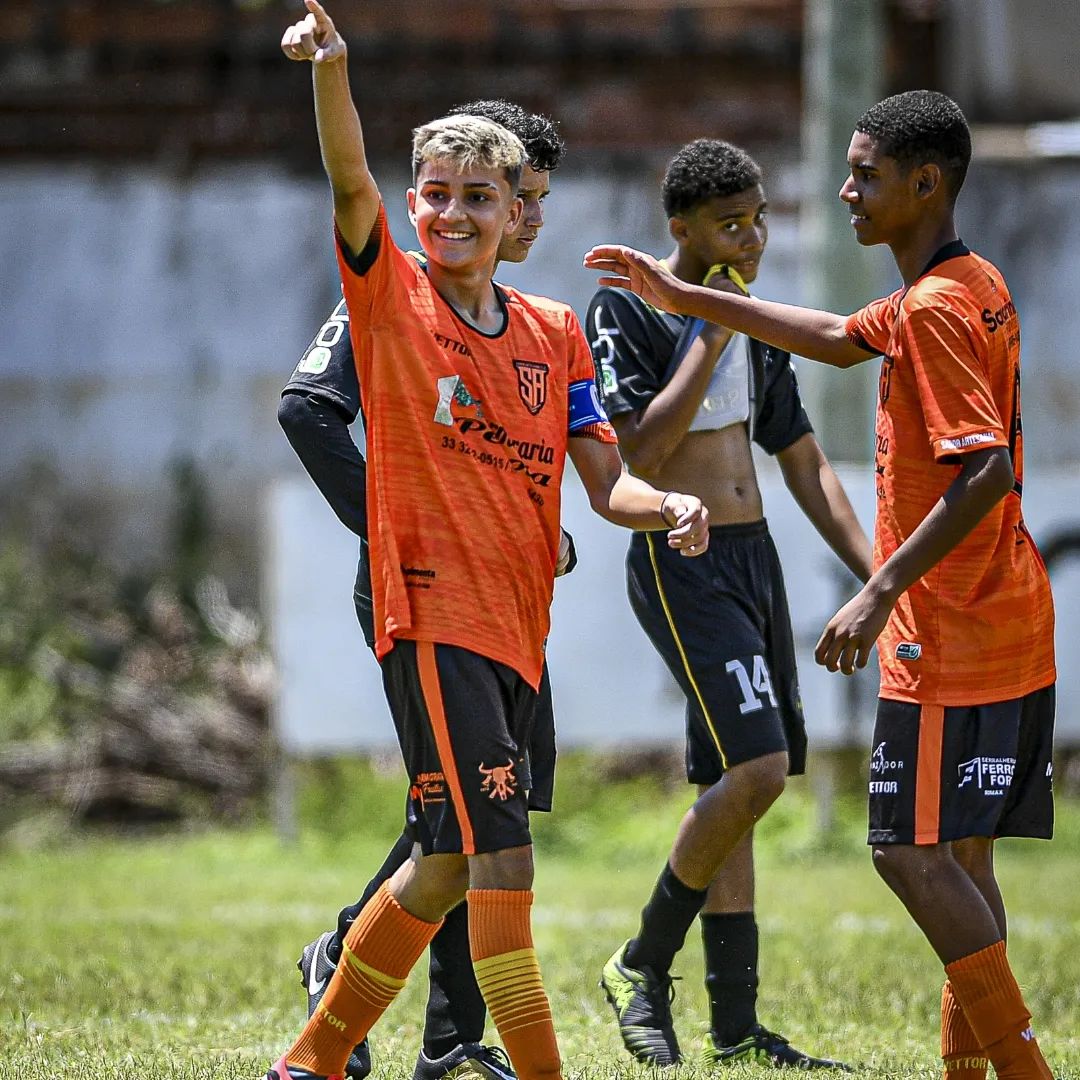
(533,189)
(728,229)
(885,200)
(462,216)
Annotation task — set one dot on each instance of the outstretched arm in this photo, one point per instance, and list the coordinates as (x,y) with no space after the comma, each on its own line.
(815,486)
(819,335)
(625,500)
(986,477)
(356,197)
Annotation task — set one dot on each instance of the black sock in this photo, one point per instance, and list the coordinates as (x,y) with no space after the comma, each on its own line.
(731,974)
(455,1007)
(665,919)
(347,916)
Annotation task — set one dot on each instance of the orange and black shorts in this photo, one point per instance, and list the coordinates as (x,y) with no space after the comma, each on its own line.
(941,773)
(464,723)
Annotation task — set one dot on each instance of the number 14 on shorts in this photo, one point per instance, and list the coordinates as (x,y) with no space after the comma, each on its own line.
(751,684)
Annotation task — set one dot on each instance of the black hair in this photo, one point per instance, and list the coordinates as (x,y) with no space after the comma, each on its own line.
(544,146)
(704,169)
(919,126)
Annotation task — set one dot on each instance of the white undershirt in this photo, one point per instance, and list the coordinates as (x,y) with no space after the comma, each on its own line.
(727,397)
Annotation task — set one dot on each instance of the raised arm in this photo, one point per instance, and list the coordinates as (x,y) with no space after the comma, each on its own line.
(625,500)
(808,332)
(341,139)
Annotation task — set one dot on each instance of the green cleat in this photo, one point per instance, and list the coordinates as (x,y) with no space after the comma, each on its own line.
(642,1004)
(766,1048)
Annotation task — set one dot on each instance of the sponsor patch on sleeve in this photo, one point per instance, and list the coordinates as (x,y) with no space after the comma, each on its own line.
(965,442)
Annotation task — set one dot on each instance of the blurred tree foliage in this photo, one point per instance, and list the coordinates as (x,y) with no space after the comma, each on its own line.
(125,698)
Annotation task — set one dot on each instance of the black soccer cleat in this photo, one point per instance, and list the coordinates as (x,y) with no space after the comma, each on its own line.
(642,1003)
(316,968)
(467,1061)
(765,1047)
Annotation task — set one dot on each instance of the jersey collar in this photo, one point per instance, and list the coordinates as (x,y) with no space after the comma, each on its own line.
(954,249)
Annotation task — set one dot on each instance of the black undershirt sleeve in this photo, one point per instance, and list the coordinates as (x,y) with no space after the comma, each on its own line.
(319,433)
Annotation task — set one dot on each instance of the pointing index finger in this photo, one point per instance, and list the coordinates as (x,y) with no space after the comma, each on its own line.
(322,20)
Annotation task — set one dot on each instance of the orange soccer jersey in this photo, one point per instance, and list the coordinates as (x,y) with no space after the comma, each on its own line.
(466,440)
(979,627)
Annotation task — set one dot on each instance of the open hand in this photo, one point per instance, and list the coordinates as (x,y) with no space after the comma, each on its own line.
(626,268)
(846,642)
(690,535)
(314,37)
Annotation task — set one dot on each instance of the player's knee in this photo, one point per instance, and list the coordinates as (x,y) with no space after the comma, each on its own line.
(903,866)
(761,782)
(511,868)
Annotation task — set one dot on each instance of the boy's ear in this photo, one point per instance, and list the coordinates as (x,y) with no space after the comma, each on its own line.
(928,179)
(517,208)
(677,228)
(410,199)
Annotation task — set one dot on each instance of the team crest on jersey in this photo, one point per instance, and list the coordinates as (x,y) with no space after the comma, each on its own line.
(452,389)
(532,384)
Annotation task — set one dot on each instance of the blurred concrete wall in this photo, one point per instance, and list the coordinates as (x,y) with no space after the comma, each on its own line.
(148,319)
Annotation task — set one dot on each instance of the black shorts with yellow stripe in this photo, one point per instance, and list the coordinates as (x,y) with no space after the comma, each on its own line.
(463,722)
(949,772)
(721,623)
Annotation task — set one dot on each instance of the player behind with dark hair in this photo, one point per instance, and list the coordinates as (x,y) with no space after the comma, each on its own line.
(687,399)
(474,394)
(320,401)
(959,603)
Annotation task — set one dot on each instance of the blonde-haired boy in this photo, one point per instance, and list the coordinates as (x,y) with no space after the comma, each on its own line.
(472,392)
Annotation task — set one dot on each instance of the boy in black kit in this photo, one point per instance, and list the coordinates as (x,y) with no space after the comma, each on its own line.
(686,398)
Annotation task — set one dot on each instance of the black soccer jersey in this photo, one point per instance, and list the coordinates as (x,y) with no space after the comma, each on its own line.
(327,368)
(634,346)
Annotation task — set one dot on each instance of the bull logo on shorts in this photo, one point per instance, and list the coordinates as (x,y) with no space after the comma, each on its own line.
(532,384)
(499,782)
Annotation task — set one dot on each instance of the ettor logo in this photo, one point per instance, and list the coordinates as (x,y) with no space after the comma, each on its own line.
(532,384)
(499,782)
(908,650)
(452,389)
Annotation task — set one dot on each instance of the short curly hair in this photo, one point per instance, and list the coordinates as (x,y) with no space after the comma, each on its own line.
(705,169)
(919,126)
(544,146)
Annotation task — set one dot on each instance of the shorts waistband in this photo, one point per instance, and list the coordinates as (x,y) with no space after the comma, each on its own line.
(741,528)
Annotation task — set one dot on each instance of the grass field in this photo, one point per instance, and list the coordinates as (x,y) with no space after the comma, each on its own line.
(172,957)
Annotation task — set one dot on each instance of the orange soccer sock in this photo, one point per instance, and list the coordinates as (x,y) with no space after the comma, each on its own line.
(500,938)
(987,991)
(960,1051)
(377,955)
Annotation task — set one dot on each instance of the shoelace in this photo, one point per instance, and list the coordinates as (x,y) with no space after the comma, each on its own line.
(664,989)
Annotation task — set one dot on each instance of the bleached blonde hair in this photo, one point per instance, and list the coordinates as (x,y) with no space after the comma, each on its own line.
(469,142)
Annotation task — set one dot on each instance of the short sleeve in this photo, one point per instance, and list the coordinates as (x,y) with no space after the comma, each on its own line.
(327,367)
(781,419)
(586,416)
(624,355)
(374,280)
(871,327)
(948,357)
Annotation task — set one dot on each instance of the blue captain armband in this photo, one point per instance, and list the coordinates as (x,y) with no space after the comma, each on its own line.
(585,407)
